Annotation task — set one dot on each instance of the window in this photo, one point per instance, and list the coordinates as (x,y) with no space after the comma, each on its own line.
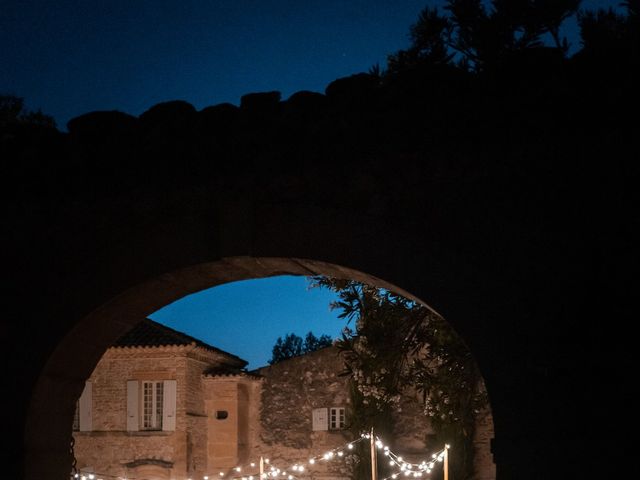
(152,397)
(151,405)
(336,418)
(333,418)
(221,414)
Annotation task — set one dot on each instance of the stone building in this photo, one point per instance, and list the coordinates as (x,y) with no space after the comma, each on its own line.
(163,405)
(149,409)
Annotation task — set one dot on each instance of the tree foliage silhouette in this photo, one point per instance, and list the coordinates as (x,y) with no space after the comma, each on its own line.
(398,346)
(13,113)
(475,37)
(292,346)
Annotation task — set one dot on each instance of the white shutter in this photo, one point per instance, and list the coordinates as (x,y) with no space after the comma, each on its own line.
(169,405)
(320,419)
(84,408)
(133,423)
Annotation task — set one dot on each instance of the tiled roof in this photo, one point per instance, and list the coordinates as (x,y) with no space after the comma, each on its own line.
(228,371)
(149,333)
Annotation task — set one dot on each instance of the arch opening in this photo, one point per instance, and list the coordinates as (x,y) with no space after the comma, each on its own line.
(94,334)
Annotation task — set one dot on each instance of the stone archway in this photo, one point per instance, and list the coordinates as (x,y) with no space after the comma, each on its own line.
(46,438)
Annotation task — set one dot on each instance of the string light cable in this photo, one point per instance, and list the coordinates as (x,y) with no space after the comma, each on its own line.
(410,469)
(288,473)
(273,472)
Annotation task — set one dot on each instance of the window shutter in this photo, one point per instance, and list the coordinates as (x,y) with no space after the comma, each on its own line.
(169,405)
(320,419)
(132,406)
(84,409)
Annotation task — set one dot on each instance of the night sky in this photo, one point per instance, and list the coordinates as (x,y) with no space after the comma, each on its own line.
(71,57)
(246,318)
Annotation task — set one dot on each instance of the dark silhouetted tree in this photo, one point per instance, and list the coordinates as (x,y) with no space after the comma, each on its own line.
(606,32)
(13,112)
(292,346)
(478,37)
(399,346)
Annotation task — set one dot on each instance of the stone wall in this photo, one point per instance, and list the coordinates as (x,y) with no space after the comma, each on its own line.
(290,391)
(293,388)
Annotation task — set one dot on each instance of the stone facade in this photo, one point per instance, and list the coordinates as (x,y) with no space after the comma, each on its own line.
(290,392)
(226,417)
(111,447)
(292,389)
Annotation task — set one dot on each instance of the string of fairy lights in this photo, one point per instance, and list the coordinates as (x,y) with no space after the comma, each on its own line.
(403,468)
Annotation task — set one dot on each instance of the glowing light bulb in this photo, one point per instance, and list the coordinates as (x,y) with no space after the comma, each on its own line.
(237,469)
(266,460)
(447,446)
(253,464)
(340,454)
(395,475)
(378,444)
(312,461)
(350,446)
(391,462)
(399,459)
(91,476)
(300,468)
(221,474)
(205,477)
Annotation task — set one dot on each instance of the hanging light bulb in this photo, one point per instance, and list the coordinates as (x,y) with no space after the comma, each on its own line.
(312,461)
(350,446)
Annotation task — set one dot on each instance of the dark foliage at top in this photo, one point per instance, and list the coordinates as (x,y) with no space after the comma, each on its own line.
(13,114)
(293,346)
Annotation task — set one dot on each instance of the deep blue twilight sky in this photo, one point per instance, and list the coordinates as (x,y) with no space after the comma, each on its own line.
(71,57)
(246,318)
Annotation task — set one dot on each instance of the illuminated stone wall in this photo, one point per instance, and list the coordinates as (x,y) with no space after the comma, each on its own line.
(110,449)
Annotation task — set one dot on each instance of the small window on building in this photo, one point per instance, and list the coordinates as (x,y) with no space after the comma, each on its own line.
(221,414)
(152,401)
(336,418)
(151,405)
